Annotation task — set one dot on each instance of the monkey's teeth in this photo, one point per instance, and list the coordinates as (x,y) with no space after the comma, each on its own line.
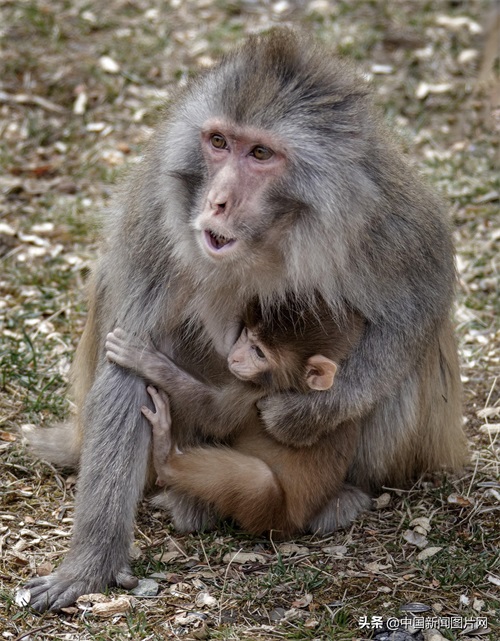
(217,241)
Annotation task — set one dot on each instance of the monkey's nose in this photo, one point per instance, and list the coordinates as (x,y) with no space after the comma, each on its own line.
(219,208)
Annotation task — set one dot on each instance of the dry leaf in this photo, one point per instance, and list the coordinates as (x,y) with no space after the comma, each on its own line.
(7,436)
(382,501)
(336,550)
(311,624)
(462,501)
(204,599)
(120,605)
(166,557)
(427,553)
(19,559)
(105,606)
(303,602)
(375,566)
(287,549)
(244,557)
(414,538)
(23,597)
(44,569)
(423,523)
(487,412)
(490,428)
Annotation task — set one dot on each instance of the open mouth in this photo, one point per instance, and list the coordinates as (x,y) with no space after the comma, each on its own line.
(217,242)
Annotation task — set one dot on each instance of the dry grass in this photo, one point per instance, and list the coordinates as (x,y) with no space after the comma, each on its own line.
(57,169)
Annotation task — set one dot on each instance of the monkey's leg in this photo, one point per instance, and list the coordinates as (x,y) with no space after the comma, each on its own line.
(113,473)
(237,485)
(340,511)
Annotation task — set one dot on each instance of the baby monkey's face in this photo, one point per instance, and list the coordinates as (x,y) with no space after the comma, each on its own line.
(249,358)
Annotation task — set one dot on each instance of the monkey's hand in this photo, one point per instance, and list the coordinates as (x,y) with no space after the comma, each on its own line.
(286,415)
(62,588)
(121,350)
(161,422)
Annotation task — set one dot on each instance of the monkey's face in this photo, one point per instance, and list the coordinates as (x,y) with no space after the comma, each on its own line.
(243,165)
(248,359)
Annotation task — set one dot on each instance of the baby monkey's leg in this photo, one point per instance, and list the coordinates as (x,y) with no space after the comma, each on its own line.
(161,422)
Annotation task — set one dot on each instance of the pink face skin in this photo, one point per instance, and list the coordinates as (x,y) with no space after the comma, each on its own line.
(242,163)
(248,357)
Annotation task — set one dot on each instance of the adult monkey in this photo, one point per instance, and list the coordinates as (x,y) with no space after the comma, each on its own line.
(271,177)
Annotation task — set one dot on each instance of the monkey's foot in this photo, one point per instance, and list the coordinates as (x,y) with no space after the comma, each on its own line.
(188,514)
(341,511)
(62,588)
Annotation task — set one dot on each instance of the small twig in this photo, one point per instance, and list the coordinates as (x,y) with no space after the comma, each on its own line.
(26,634)
(224,583)
(25,99)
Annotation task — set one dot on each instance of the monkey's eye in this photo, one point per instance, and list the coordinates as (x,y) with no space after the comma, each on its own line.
(258,352)
(262,153)
(218,141)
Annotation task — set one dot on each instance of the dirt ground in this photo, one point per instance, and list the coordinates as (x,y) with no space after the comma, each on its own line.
(82,83)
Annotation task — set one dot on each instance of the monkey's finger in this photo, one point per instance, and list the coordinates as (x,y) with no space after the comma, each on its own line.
(149,414)
(160,399)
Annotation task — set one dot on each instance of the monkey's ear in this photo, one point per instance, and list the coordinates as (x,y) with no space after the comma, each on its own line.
(320,372)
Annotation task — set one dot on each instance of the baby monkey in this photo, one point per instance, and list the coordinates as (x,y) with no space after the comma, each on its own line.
(261,483)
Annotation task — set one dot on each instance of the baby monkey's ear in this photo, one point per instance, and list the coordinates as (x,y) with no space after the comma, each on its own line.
(320,372)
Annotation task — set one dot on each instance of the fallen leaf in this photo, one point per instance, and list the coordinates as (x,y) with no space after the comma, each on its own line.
(287,549)
(120,605)
(382,501)
(375,566)
(336,550)
(7,436)
(44,569)
(166,557)
(105,606)
(23,597)
(204,599)
(462,501)
(303,602)
(414,538)
(427,553)
(311,624)
(244,557)
(421,522)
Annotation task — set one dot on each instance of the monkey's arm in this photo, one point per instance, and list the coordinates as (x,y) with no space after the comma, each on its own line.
(365,378)
(220,417)
(405,272)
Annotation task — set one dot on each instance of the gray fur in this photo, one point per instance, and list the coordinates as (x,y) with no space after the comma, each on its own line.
(350,221)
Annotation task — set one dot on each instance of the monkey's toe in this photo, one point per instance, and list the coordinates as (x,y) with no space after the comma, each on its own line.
(53,593)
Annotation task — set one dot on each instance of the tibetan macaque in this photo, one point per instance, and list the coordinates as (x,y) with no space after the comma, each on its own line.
(271,176)
(258,481)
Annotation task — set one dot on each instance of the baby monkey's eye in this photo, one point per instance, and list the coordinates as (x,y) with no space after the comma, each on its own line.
(258,351)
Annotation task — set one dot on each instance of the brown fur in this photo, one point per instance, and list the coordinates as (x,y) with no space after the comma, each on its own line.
(259,482)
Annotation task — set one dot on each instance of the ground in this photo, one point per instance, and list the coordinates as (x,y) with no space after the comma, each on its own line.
(81,86)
